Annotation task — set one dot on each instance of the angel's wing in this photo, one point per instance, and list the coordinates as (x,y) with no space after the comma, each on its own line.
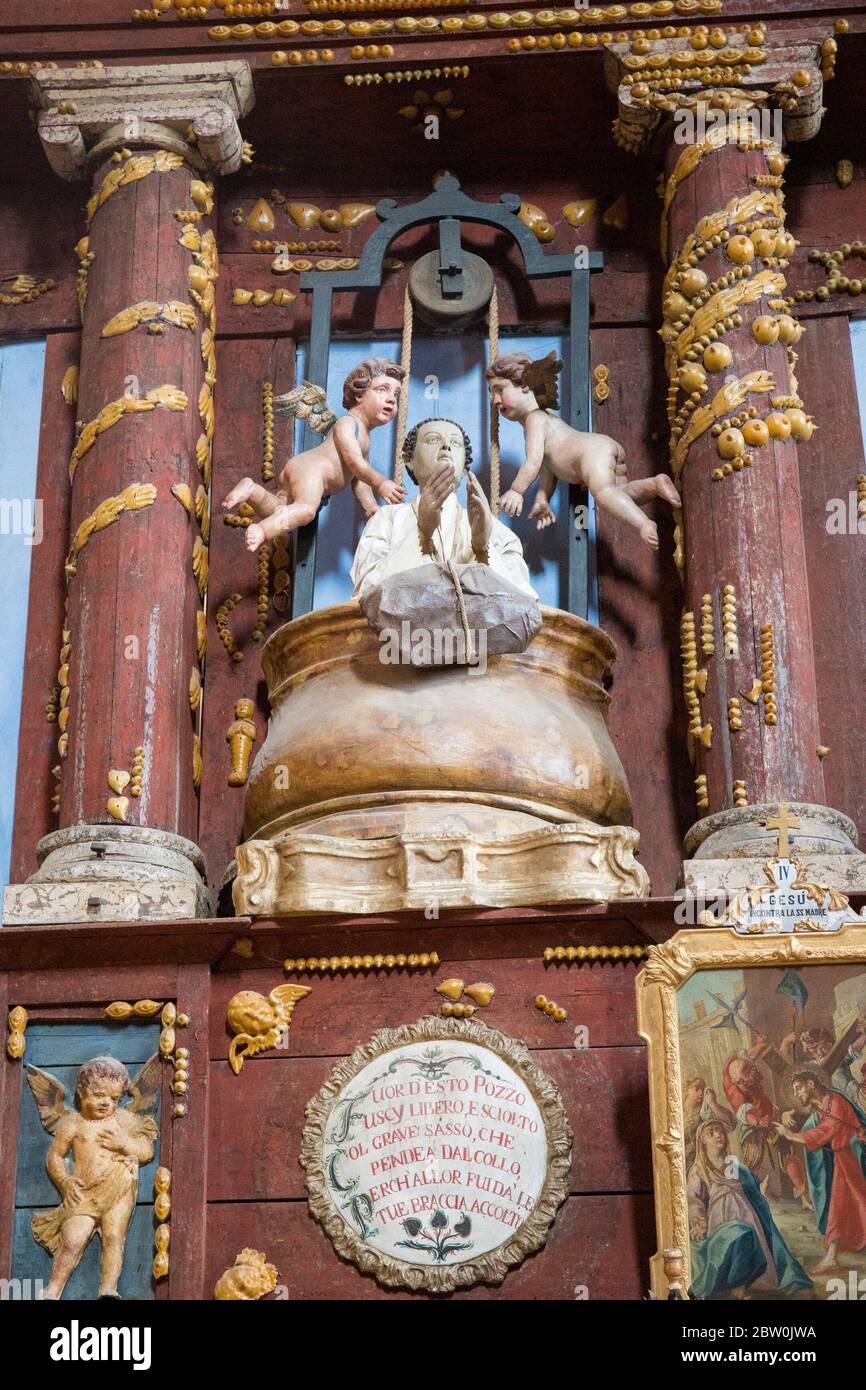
(50,1097)
(307,402)
(145,1086)
(285,997)
(538,373)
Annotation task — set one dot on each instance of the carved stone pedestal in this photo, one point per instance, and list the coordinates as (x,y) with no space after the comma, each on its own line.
(727,851)
(110,873)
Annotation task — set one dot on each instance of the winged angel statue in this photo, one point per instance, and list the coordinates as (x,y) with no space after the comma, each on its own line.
(108,1144)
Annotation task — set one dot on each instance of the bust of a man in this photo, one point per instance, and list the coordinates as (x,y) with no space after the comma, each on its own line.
(435,527)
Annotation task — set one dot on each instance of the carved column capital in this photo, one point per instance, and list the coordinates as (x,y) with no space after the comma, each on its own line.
(729,72)
(84,114)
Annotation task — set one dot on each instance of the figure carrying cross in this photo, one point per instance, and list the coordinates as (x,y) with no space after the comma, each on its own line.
(783,822)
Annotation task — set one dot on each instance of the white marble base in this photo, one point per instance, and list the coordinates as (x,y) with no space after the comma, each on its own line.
(710,878)
(110,873)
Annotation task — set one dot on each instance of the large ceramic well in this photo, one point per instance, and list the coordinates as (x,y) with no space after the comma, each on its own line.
(368,763)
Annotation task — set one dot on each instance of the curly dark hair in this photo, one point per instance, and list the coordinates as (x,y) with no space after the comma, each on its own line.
(412,437)
(364,374)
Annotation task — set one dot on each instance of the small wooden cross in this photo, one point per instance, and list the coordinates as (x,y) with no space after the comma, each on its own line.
(783,822)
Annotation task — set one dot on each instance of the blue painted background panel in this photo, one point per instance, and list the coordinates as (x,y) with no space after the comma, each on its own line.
(71,1044)
(21,369)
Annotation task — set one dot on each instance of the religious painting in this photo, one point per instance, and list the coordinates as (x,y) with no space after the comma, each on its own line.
(437,1155)
(757,1059)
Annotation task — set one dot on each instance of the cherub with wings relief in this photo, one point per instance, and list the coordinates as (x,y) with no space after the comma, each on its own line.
(108,1144)
(371,394)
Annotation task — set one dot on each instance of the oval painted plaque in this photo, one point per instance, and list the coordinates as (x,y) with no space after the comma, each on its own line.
(437,1155)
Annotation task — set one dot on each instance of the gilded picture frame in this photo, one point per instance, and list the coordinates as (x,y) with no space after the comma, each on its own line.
(669,968)
(492,1266)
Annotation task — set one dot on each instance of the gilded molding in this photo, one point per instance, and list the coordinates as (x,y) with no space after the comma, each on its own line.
(555,954)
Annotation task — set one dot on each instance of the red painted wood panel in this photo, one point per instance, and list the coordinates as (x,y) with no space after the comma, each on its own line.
(92,986)
(345,1008)
(641,599)
(829,466)
(190,1151)
(243,365)
(599,1244)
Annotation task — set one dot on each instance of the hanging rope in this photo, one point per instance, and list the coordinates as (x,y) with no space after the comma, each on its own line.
(406,364)
(469,645)
(494,413)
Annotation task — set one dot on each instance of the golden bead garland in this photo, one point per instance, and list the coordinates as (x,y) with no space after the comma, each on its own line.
(422,960)
(281,562)
(836,282)
(263,602)
(457,1010)
(768,673)
(24,288)
(267,431)
(729,622)
(708,636)
(735,714)
(549,1007)
(740,795)
(290,246)
(224,631)
(136,771)
(553,954)
(367,79)
(702,797)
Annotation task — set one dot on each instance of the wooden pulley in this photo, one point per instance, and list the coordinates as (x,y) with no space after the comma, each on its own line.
(454,301)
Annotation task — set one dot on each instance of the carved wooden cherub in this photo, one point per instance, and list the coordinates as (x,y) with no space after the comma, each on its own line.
(108,1144)
(371,393)
(240,736)
(525,391)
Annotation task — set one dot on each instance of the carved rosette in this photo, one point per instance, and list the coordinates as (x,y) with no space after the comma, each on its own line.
(490,1267)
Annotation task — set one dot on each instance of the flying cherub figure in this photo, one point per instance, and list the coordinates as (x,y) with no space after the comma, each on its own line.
(371,393)
(109,1143)
(525,391)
